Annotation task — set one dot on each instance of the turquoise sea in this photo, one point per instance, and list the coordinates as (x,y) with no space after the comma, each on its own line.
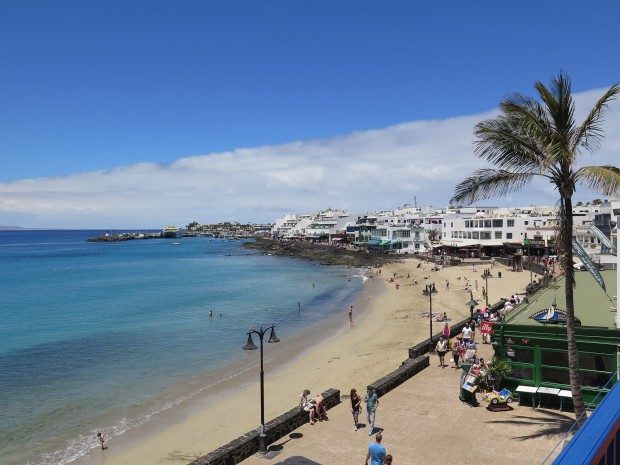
(98,336)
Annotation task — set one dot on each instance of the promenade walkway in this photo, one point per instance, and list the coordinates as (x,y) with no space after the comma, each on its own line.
(424,422)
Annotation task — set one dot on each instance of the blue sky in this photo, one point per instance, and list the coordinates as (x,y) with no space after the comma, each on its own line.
(101,85)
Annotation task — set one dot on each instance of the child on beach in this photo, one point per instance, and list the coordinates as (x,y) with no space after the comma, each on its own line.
(101,438)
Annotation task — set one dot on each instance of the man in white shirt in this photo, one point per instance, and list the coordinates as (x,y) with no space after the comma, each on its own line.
(466,333)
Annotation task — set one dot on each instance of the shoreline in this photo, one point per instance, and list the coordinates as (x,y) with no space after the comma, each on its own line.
(351,356)
(240,375)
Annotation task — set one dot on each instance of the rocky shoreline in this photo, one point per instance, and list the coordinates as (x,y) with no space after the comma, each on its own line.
(322,253)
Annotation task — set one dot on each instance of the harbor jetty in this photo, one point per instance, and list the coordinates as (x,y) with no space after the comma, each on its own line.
(126,236)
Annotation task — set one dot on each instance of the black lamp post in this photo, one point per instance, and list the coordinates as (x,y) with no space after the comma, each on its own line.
(471,304)
(430,290)
(486,276)
(262,438)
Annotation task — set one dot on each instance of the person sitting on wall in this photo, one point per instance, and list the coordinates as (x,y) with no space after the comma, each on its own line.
(308,405)
(321,410)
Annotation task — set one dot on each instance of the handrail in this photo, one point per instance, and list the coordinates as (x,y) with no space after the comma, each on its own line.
(578,419)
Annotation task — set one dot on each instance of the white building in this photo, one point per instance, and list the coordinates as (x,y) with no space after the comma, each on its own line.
(400,238)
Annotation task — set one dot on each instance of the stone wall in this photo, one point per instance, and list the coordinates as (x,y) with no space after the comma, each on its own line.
(247,445)
(408,369)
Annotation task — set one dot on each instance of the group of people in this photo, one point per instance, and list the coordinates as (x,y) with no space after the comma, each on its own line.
(314,406)
(463,347)
(316,410)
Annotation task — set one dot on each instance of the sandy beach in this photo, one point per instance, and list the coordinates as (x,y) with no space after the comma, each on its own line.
(387,321)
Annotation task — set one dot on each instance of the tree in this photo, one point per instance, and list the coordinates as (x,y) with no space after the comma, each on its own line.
(432,234)
(539,138)
(597,202)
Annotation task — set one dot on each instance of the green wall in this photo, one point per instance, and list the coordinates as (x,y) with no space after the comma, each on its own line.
(539,357)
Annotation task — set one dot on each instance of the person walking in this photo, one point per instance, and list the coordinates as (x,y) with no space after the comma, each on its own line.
(356,407)
(466,333)
(372,401)
(351,314)
(376,452)
(455,352)
(442,349)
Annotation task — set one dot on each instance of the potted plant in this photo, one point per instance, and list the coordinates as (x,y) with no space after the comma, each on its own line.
(498,370)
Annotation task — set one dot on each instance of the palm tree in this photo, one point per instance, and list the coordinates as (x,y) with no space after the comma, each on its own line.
(539,138)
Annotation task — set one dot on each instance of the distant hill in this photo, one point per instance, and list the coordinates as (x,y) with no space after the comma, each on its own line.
(10,228)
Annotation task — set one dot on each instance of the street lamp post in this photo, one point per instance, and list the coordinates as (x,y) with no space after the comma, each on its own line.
(486,275)
(429,290)
(471,304)
(262,438)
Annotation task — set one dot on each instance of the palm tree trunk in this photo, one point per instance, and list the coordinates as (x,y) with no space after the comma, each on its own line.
(573,362)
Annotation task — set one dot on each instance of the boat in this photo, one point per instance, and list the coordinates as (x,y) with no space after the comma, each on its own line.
(171,231)
(552,316)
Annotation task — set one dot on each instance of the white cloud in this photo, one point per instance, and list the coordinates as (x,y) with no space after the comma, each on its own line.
(372,169)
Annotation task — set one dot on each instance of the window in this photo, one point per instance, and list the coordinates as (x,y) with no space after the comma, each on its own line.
(520,354)
(468,234)
(485,234)
(558,359)
(600,348)
(522,372)
(467,224)
(487,223)
(594,379)
(554,375)
(476,235)
(498,223)
(508,235)
(526,223)
(498,234)
(552,344)
(595,362)
(510,223)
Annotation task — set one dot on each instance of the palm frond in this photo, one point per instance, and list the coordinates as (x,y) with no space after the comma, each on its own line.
(501,142)
(530,117)
(559,102)
(589,134)
(604,179)
(485,183)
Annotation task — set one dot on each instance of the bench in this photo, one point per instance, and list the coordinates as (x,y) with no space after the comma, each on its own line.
(529,390)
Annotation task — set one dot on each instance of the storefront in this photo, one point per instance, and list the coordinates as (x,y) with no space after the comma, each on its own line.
(537,349)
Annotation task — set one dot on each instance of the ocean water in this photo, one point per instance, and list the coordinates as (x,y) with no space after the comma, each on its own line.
(100,336)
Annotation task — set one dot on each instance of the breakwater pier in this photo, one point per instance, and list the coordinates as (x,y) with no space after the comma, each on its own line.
(126,236)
